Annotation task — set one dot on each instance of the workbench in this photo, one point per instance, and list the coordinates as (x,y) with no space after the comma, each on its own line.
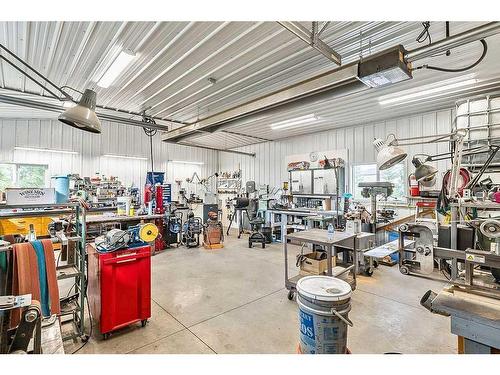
(474,318)
(302,213)
(320,237)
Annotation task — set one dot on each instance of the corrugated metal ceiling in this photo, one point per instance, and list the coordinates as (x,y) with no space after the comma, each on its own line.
(169,76)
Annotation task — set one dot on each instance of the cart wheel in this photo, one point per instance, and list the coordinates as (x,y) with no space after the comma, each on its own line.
(290,295)
(105,336)
(368,271)
(263,245)
(404,270)
(375,264)
(144,322)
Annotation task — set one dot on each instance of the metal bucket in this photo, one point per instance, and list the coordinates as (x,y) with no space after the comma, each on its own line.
(324,305)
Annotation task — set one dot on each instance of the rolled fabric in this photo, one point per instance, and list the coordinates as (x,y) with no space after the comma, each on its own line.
(25,277)
(50,267)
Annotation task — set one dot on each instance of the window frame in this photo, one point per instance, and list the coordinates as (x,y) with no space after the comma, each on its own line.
(16,171)
(403,199)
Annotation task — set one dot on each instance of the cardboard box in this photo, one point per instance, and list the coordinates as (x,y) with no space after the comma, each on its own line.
(29,196)
(311,265)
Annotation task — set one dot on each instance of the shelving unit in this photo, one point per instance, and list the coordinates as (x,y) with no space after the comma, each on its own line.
(75,269)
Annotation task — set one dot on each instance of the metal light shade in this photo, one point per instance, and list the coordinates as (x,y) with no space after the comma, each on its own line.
(424,173)
(388,156)
(82,116)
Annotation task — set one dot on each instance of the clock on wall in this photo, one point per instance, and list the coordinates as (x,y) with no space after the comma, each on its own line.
(313,156)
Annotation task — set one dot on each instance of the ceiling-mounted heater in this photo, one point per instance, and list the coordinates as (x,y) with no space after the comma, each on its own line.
(385,68)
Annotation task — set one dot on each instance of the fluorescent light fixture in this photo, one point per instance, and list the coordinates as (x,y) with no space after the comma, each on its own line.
(124,157)
(45,150)
(186,162)
(295,121)
(426,94)
(116,68)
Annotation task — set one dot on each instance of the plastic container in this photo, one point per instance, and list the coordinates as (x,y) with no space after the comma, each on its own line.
(61,184)
(123,205)
(331,231)
(324,304)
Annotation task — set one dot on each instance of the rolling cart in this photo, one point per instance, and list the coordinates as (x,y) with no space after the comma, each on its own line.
(319,237)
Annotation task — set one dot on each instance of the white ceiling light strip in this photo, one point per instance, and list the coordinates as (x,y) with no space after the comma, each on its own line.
(36,149)
(186,162)
(295,121)
(427,93)
(124,157)
(116,68)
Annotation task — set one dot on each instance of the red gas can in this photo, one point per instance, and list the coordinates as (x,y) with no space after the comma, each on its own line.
(119,287)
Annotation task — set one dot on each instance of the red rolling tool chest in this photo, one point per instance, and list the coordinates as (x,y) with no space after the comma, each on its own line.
(119,287)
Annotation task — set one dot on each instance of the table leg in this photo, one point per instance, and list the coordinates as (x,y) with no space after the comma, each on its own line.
(285,251)
(329,259)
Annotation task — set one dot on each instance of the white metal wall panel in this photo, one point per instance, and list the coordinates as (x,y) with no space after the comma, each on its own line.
(269,165)
(115,139)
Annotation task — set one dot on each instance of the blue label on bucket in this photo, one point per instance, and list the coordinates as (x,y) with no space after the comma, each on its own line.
(307,331)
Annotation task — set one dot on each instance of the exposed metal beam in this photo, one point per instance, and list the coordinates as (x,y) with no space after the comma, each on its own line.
(312,39)
(334,82)
(457,40)
(246,135)
(252,154)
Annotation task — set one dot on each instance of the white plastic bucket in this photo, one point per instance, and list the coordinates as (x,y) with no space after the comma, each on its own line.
(324,304)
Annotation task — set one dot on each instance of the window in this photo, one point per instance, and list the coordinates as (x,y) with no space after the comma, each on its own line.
(363,173)
(370,173)
(22,175)
(396,175)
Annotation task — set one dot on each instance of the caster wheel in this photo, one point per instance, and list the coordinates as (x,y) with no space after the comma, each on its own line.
(375,264)
(369,271)
(404,270)
(263,245)
(290,295)
(105,336)
(144,322)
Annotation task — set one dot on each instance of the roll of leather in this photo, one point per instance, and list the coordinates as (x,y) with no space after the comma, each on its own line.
(26,278)
(50,267)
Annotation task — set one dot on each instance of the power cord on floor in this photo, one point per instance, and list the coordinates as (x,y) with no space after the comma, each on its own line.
(91,321)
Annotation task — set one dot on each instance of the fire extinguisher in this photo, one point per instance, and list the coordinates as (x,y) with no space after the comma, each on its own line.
(413,184)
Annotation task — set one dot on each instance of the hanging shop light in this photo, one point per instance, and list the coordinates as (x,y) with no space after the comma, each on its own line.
(388,154)
(82,116)
(424,173)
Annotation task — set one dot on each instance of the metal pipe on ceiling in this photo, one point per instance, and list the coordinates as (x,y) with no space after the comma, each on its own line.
(457,40)
(59,109)
(103,116)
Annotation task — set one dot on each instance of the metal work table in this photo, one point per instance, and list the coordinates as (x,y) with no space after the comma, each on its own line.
(285,213)
(320,237)
(475,318)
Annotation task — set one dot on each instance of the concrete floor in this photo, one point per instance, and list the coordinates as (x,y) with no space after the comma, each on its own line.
(233,300)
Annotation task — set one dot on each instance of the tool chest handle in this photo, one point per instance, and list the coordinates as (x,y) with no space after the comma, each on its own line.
(127,258)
